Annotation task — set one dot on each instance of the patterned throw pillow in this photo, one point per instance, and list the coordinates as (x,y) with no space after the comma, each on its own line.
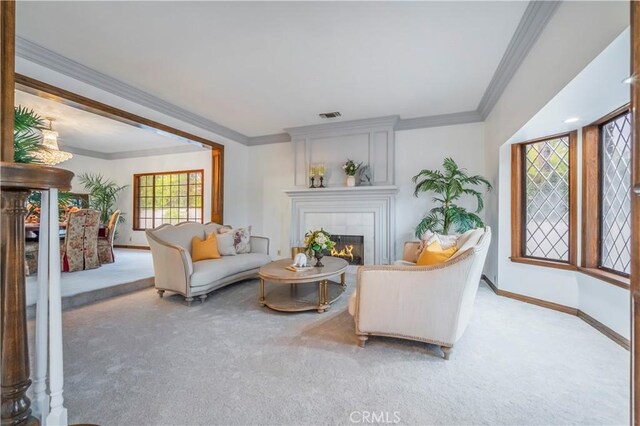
(429,237)
(242,239)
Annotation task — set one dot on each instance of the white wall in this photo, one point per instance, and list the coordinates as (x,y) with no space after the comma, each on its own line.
(534,105)
(271,171)
(574,36)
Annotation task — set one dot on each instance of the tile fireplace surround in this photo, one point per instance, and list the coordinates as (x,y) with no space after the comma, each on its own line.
(363,210)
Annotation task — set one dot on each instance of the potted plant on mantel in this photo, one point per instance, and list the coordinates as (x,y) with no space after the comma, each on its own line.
(449,186)
(350,169)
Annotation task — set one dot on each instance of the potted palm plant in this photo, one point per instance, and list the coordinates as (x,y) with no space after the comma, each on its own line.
(449,186)
(26,135)
(103,194)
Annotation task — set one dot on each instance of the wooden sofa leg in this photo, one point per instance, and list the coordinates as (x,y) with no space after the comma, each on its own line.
(161,293)
(446,351)
(203,298)
(363,340)
(188,300)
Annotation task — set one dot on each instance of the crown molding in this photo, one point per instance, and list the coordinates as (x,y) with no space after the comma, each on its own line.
(268,139)
(84,152)
(533,22)
(42,56)
(131,154)
(341,126)
(439,120)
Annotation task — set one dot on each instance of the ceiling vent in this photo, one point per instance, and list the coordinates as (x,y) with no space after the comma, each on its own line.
(334,114)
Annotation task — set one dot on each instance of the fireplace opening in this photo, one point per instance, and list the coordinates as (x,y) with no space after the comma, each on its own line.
(349,248)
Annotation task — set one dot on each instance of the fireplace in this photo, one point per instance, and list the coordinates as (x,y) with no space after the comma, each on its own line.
(349,248)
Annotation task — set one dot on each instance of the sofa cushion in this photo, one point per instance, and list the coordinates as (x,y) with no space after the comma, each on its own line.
(206,272)
(225,244)
(204,249)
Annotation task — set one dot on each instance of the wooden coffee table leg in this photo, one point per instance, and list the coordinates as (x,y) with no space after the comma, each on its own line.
(343,280)
(262,299)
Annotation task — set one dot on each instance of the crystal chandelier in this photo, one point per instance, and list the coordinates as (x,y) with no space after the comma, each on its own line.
(49,152)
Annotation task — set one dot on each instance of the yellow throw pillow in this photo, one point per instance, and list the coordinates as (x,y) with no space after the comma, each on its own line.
(434,254)
(204,249)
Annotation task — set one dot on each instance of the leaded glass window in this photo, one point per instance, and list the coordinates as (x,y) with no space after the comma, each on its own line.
(546,186)
(615,195)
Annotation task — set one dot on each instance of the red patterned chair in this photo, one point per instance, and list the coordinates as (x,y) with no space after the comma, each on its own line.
(105,244)
(79,250)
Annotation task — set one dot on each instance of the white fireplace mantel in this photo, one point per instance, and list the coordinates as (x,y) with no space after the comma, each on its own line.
(378,201)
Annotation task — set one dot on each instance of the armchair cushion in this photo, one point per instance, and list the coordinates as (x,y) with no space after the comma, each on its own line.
(434,254)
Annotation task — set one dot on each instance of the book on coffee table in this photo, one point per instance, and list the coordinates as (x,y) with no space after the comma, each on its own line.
(298,268)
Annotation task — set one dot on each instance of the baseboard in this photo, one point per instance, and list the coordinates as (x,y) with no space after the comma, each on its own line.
(125,246)
(611,334)
(618,338)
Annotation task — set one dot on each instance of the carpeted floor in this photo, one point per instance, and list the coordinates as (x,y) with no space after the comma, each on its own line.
(141,360)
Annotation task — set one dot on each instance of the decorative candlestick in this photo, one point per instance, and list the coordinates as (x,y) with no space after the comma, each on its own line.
(312,175)
(321,173)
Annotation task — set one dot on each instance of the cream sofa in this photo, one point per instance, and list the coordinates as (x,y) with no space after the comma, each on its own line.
(426,303)
(174,271)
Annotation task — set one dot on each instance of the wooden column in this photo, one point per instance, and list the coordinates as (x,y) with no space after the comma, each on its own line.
(16,182)
(15,352)
(635,215)
(7,75)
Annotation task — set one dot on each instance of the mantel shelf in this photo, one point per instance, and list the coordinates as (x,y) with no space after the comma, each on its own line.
(343,190)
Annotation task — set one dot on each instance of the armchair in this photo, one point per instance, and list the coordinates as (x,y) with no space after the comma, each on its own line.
(430,304)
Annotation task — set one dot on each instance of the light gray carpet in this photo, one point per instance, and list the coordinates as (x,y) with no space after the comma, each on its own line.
(138,360)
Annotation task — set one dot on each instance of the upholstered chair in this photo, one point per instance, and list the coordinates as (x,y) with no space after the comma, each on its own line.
(105,244)
(79,250)
(430,304)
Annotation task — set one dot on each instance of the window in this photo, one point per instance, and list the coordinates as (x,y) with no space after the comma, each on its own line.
(544,210)
(168,197)
(606,250)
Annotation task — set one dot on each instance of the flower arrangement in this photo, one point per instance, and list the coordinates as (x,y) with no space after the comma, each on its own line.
(351,168)
(316,242)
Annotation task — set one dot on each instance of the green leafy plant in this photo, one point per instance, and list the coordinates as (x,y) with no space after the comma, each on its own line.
(449,186)
(351,168)
(103,194)
(26,135)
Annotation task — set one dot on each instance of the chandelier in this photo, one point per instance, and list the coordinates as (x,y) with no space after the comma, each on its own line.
(49,152)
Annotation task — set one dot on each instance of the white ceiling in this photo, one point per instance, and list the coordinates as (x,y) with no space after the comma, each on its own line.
(261,67)
(87,131)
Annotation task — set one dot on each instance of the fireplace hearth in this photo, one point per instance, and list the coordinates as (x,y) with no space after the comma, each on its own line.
(349,248)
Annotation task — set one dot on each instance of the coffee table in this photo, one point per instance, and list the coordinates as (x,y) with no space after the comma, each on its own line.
(307,290)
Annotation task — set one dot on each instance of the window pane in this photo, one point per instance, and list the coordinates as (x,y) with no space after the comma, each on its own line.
(169,203)
(615,195)
(546,168)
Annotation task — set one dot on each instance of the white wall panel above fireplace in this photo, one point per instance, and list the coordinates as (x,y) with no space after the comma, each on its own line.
(370,141)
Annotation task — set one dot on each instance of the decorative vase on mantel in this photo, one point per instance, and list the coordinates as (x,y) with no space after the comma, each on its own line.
(351,181)
(318,255)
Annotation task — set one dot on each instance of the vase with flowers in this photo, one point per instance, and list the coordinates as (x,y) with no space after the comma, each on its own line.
(350,169)
(316,242)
